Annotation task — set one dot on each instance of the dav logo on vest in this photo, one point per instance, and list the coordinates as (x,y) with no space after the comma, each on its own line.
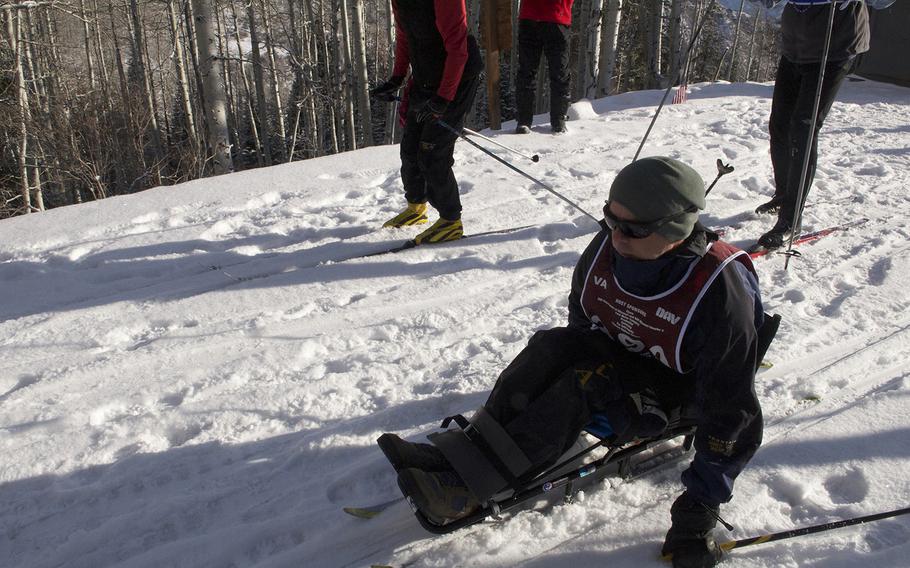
(665,315)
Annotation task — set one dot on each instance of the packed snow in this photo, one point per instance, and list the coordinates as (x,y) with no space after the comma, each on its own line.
(194,376)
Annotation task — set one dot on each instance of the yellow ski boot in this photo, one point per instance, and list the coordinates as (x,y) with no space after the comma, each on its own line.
(441,231)
(414,214)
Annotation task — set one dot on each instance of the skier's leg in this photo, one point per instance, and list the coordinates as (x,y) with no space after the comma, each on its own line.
(835,72)
(556,47)
(529,51)
(783,103)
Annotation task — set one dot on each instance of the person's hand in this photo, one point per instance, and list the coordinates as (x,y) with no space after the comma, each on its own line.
(387,91)
(689,539)
(432,110)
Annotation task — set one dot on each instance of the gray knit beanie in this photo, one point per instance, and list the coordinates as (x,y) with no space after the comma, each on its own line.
(657,187)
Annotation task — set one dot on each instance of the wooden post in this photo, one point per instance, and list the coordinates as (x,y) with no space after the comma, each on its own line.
(496,36)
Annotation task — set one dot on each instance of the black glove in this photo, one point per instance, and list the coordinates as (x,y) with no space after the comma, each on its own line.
(387,91)
(689,539)
(433,109)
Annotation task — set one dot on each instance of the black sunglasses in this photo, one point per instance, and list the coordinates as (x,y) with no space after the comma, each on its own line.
(638,229)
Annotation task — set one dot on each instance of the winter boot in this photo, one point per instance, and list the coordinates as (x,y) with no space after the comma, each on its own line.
(777,235)
(769,207)
(414,214)
(441,496)
(558,126)
(522,129)
(403,454)
(441,231)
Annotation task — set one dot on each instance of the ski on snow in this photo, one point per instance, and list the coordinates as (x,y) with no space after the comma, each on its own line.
(758,251)
(411,243)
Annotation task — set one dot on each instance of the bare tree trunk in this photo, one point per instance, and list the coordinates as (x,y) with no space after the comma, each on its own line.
(761,51)
(361,83)
(183,86)
(675,70)
(731,70)
(276,91)
(27,47)
(216,113)
(87,35)
(142,71)
(102,63)
(246,86)
(752,41)
(330,127)
(13,24)
(393,109)
(344,77)
(608,43)
(265,131)
(227,79)
(588,74)
(308,53)
(132,127)
(653,15)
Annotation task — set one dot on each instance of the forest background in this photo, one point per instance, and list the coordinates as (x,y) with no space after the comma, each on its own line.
(111,97)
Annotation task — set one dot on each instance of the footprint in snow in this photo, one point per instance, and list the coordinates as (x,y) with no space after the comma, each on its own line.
(847,487)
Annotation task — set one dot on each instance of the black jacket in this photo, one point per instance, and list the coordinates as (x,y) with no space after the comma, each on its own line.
(720,348)
(803,30)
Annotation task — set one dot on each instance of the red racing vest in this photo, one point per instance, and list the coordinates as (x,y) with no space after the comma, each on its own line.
(653,326)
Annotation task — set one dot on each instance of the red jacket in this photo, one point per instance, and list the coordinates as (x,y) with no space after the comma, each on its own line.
(452,27)
(559,11)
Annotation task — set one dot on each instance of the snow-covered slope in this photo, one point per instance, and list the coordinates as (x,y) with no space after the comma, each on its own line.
(187,379)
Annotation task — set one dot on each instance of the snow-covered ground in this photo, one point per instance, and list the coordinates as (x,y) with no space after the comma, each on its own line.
(188,378)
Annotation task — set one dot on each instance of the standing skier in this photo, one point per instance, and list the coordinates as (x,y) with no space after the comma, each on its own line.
(432,39)
(662,314)
(543,27)
(804,27)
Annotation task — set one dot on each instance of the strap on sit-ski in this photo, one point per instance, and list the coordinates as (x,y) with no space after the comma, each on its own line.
(475,434)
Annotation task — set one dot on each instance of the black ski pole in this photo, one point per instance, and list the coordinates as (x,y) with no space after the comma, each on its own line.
(761,539)
(722,170)
(726,546)
(534,158)
(461,134)
(678,76)
(798,211)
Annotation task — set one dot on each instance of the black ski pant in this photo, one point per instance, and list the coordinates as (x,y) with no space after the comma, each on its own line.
(552,40)
(553,388)
(427,151)
(790,123)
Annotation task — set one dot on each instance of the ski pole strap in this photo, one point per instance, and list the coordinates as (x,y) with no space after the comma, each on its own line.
(458,419)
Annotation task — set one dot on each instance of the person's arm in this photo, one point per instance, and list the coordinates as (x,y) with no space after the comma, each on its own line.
(729,427)
(730,420)
(452,23)
(577,317)
(402,51)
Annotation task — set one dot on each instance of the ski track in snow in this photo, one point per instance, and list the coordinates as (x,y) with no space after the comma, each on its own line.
(189,378)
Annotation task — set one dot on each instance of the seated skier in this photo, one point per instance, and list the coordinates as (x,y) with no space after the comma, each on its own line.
(661,314)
